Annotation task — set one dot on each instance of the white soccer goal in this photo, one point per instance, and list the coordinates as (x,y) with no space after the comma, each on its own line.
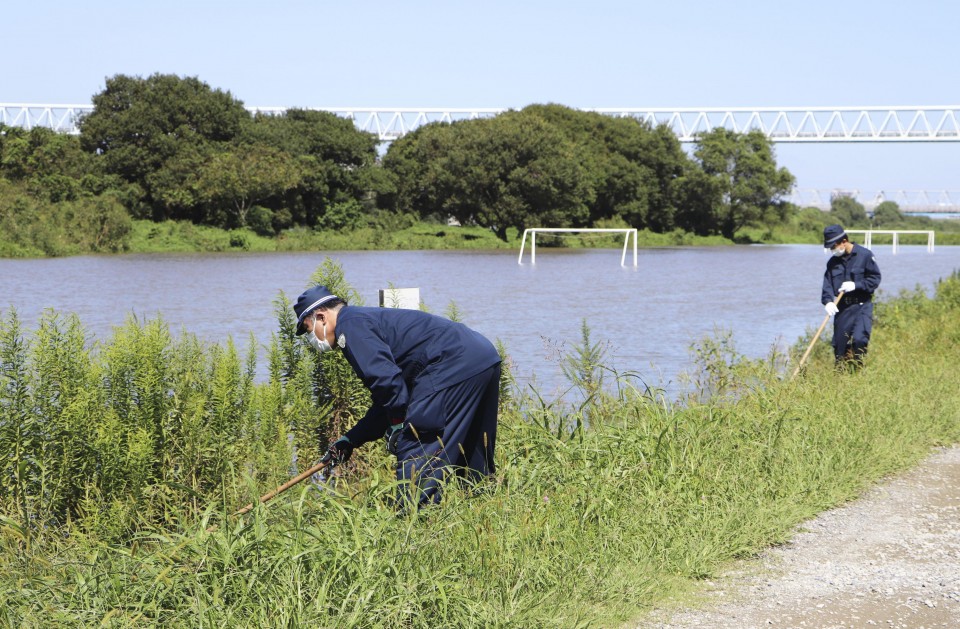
(868,236)
(627,232)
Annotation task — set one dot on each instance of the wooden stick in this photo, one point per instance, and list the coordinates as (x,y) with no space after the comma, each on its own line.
(815,337)
(284,487)
(279,490)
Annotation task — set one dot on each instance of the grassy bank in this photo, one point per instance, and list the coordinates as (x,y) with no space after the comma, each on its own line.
(806,227)
(185,237)
(598,511)
(171,236)
(181,236)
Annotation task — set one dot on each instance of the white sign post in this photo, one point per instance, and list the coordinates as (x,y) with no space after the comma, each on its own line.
(408,298)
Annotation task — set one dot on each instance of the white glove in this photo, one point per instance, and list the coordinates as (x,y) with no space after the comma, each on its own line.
(831,308)
(848,287)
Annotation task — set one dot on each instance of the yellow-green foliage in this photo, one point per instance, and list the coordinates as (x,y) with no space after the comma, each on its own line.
(113,436)
(586,523)
(32,227)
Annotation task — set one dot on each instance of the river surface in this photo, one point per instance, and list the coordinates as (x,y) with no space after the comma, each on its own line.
(647,316)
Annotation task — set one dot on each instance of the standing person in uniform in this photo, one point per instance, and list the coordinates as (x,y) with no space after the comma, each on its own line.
(435,385)
(852,270)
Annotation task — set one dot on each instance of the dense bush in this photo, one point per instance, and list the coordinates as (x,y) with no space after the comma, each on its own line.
(111,437)
(31,227)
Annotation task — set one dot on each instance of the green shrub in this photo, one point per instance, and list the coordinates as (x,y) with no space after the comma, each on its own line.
(239,240)
(343,216)
(79,225)
(260,220)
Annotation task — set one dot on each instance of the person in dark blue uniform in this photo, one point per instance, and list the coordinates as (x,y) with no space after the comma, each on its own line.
(851,270)
(435,386)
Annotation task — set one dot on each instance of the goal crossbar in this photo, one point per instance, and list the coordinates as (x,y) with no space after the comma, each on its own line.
(627,232)
(868,236)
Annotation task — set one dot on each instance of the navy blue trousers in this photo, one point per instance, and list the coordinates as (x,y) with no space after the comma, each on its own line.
(463,447)
(851,331)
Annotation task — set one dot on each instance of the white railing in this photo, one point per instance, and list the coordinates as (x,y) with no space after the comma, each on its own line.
(868,236)
(627,232)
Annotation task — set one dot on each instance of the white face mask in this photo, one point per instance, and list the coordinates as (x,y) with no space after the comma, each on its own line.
(839,251)
(320,345)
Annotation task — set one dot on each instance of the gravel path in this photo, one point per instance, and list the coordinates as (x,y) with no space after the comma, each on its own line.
(889,559)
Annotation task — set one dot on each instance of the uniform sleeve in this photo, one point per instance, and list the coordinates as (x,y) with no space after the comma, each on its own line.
(373,361)
(372,426)
(871,276)
(826,294)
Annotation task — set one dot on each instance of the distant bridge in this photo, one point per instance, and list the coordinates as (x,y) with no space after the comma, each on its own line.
(780,124)
(909,201)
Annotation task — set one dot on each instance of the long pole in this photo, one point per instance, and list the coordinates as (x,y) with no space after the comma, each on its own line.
(815,337)
(284,487)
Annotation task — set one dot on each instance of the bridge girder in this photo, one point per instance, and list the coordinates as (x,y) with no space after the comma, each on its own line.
(780,124)
(910,201)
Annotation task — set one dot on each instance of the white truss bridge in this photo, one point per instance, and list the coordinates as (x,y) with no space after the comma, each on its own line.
(780,124)
(909,201)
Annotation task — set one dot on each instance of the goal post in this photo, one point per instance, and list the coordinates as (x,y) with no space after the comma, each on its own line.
(868,236)
(627,232)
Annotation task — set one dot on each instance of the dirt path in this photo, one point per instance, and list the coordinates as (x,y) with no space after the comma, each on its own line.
(890,559)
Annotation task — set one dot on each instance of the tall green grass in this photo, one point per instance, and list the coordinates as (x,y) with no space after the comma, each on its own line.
(603,505)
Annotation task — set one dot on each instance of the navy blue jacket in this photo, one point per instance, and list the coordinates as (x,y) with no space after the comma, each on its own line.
(395,351)
(859,266)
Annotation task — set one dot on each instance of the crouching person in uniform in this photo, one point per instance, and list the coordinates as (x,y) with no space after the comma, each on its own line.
(435,386)
(852,270)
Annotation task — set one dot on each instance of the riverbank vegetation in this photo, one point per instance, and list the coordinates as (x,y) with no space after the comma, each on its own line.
(172,150)
(116,460)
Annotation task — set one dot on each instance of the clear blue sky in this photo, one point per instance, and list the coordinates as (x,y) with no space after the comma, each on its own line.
(500,53)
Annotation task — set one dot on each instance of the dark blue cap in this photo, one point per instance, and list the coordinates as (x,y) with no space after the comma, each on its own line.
(832,234)
(310,300)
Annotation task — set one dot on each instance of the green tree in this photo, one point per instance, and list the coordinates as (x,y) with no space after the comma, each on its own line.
(698,195)
(41,152)
(512,171)
(139,125)
(744,167)
(173,186)
(321,134)
(632,165)
(847,211)
(810,221)
(337,161)
(409,163)
(234,181)
(887,213)
(53,165)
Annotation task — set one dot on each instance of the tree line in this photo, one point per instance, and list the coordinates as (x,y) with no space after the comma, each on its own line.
(173,148)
